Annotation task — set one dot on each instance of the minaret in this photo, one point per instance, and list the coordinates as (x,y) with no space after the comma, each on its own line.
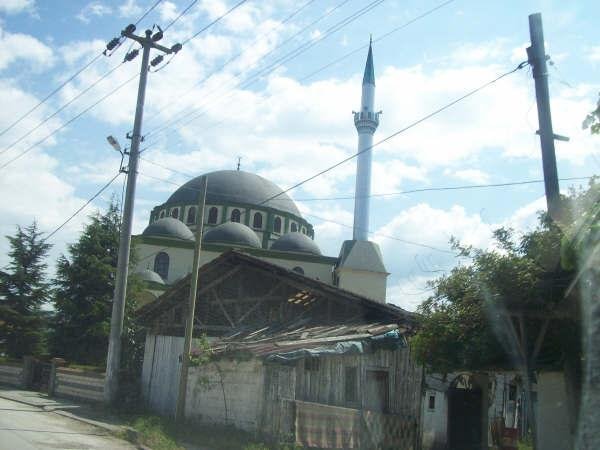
(366,121)
(360,266)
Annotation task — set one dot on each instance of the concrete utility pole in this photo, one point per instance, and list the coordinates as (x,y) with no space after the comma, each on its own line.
(113,362)
(189,323)
(537,59)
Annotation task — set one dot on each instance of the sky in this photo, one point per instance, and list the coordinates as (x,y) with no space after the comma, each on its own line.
(270,83)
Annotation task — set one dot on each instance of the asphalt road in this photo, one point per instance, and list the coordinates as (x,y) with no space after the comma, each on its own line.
(24,427)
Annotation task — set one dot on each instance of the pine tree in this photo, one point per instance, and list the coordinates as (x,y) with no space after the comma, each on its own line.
(84,288)
(22,293)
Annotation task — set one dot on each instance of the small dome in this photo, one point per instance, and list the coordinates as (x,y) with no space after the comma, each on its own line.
(296,242)
(169,227)
(149,275)
(232,233)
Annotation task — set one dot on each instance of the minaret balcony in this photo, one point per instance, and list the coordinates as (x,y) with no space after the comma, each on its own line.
(366,121)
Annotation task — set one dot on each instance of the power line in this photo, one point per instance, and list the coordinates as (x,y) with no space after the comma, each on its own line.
(183,13)
(71,78)
(93,105)
(222,66)
(95,83)
(72,216)
(384,36)
(276,64)
(206,27)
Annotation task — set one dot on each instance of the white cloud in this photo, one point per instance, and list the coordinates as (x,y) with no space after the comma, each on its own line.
(471,175)
(93,9)
(593,53)
(16,6)
(130,8)
(23,47)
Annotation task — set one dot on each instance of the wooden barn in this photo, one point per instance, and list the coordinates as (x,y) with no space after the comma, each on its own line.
(293,358)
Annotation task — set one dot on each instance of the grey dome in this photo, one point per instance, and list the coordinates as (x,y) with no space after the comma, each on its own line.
(149,275)
(232,233)
(234,186)
(169,227)
(296,242)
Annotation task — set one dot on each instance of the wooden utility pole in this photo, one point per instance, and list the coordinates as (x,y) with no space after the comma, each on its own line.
(537,60)
(189,323)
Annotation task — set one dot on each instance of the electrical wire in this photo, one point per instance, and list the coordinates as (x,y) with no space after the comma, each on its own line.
(232,58)
(181,14)
(48,136)
(95,83)
(72,216)
(68,80)
(274,65)
(218,19)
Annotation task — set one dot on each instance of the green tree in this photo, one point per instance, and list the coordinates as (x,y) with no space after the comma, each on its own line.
(84,287)
(22,293)
(592,120)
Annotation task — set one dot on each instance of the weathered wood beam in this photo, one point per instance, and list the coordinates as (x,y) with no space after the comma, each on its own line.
(216,296)
(206,287)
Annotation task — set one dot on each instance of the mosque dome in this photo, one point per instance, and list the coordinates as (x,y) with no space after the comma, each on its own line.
(296,242)
(149,275)
(169,227)
(235,186)
(232,233)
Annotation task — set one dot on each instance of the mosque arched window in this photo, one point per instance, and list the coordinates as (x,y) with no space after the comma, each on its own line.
(175,213)
(277,225)
(236,215)
(161,265)
(303,230)
(257,221)
(191,216)
(294,227)
(162,214)
(212,215)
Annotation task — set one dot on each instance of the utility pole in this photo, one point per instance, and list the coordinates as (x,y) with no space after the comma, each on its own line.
(189,323)
(113,362)
(537,60)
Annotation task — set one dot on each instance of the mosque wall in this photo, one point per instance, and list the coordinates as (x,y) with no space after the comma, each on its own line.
(369,284)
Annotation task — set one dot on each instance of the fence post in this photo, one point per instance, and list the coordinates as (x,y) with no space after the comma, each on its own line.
(27,374)
(55,363)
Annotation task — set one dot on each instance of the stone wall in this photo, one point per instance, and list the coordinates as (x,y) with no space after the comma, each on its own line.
(12,374)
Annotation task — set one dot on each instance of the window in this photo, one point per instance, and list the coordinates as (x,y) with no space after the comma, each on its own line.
(235,215)
(432,402)
(175,213)
(161,265)
(162,214)
(377,390)
(277,225)
(351,384)
(294,227)
(303,230)
(212,215)
(257,221)
(311,364)
(191,217)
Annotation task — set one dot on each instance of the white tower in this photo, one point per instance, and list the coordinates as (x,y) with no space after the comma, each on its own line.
(366,121)
(360,265)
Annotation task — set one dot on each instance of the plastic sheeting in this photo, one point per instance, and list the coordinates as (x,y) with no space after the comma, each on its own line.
(391,340)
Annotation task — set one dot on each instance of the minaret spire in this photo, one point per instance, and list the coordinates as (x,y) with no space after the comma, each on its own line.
(366,122)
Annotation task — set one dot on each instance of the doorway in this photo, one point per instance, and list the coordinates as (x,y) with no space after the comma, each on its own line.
(464,416)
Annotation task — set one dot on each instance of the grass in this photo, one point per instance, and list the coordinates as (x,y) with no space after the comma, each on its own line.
(161,433)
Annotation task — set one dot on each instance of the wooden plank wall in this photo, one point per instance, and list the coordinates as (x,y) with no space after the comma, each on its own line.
(79,384)
(11,374)
(160,372)
(326,384)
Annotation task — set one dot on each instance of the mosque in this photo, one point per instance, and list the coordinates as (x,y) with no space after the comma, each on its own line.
(250,214)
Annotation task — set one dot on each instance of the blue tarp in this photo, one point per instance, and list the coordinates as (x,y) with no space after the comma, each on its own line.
(391,340)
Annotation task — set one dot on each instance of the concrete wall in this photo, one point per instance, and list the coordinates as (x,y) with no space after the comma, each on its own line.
(11,374)
(369,284)
(553,432)
(79,384)
(226,392)
(434,421)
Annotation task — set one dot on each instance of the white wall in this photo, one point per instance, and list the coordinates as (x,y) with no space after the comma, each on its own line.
(226,392)
(553,431)
(369,284)
(435,421)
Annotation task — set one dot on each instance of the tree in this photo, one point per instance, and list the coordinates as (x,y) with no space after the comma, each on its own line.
(592,120)
(84,288)
(23,291)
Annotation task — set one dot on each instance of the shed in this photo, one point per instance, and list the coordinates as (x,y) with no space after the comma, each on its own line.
(293,358)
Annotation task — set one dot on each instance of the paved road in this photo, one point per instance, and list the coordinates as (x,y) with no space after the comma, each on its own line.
(24,427)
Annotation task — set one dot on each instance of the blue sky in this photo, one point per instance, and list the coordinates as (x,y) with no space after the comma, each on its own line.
(286,126)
